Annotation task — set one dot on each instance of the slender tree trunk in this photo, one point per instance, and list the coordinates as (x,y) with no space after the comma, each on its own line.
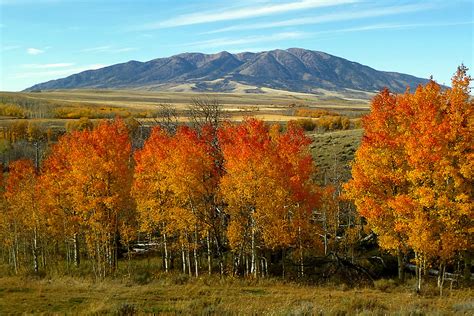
(35,250)
(183,258)
(247,269)
(266,267)
(219,255)
(77,256)
(401,265)
(209,262)
(188,260)
(325,244)
(165,248)
(14,258)
(68,254)
(438,279)
(115,246)
(325,237)
(441,272)
(418,272)
(43,254)
(15,248)
(253,263)
(129,260)
(196,266)
(301,268)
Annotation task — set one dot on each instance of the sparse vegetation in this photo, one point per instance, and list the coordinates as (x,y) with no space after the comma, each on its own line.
(213,295)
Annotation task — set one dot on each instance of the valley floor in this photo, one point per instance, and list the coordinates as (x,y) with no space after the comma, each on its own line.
(175,293)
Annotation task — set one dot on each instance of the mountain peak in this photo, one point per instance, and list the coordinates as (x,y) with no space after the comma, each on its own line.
(292,69)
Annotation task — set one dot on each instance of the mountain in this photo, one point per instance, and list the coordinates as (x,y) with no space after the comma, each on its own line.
(293,69)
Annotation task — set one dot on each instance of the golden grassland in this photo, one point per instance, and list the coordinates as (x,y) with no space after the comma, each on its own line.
(177,293)
(332,151)
(148,98)
(55,108)
(72,104)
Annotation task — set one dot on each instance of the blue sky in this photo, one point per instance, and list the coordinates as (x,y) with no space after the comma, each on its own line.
(42,40)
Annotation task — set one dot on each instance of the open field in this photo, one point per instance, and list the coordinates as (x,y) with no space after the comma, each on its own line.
(269,106)
(171,294)
(149,98)
(332,152)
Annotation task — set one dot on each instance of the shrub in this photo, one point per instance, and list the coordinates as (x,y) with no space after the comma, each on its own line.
(314,113)
(126,309)
(306,124)
(12,110)
(385,285)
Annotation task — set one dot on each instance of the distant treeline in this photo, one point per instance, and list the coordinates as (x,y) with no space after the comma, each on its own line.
(23,106)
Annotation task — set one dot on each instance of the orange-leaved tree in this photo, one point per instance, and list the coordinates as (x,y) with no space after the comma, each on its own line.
(379,174)
(56,185)
(150,189)
(173,183)
(23,212)
(412,176)
(266,187)
(193,184)
(90,173)
(437,133)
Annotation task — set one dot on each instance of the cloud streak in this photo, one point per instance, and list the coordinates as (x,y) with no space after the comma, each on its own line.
(9,48)
(327,18)
(47,66)
(34,51)
(48,73)
(225,42)
(108,49)
(375,27)
(243,13)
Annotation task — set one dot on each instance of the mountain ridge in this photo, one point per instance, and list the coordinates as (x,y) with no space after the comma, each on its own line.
(292,69)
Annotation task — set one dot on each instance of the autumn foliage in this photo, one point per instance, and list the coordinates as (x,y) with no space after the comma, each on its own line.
(412,176)
(241,198)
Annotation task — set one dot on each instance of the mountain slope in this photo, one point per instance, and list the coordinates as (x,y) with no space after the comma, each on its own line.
(294,69)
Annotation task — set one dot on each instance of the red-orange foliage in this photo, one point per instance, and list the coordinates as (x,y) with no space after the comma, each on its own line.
(267,187)
(22,206)
(412,177)
(89,175)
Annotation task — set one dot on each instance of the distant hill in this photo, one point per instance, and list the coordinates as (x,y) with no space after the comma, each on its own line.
(293,69)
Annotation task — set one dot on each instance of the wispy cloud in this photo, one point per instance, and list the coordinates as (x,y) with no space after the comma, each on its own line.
(56,73)
(34,51)
(334,17)
(8,48)
(108,49)
(375,27)
(47,66)
(243,13)
(27,2)
(226,42)
(96,49)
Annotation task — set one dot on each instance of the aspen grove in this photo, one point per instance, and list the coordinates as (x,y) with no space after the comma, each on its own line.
(242,199)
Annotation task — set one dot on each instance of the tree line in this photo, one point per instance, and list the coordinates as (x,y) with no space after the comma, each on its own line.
(241,198)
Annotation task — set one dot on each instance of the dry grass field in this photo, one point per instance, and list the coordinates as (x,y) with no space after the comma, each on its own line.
(269,106)
(180,294)
(332,152)
(151,98)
